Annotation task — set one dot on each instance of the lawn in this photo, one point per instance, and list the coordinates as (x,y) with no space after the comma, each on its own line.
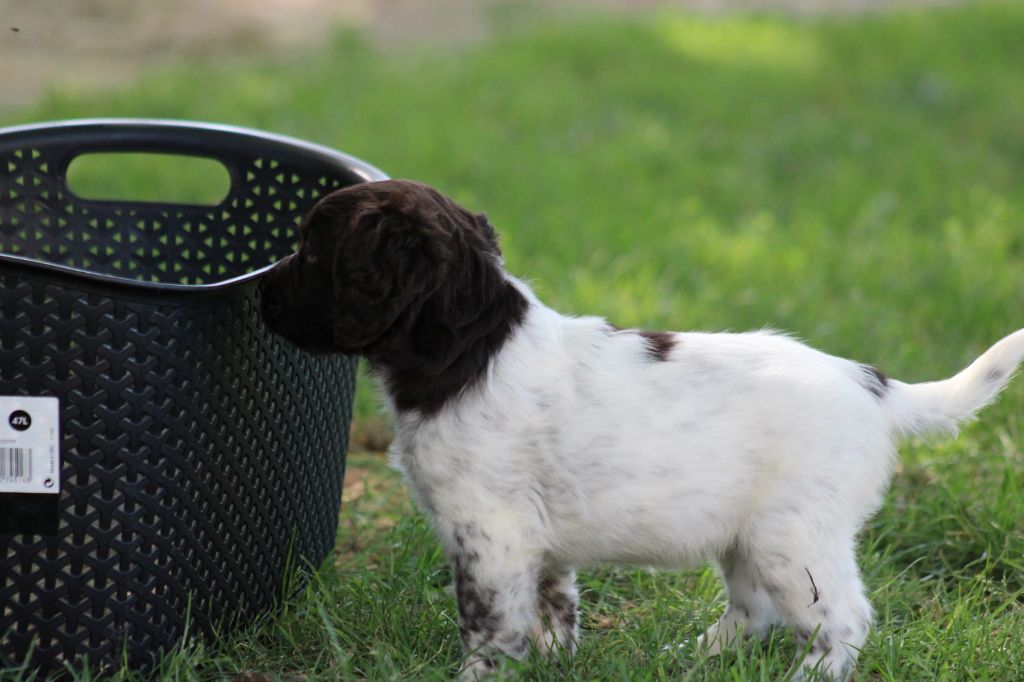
(858,182)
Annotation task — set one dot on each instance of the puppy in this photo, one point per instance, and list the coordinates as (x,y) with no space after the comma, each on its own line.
(539,443)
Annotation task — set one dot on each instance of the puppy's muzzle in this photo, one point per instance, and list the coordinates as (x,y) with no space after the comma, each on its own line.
(273,305)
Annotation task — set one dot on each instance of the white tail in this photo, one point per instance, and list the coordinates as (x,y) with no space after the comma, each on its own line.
(943,405)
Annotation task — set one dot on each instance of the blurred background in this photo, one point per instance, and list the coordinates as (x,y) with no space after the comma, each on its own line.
(82,44)
(86,44)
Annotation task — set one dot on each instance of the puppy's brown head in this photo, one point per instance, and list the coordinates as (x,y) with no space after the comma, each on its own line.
(392,270)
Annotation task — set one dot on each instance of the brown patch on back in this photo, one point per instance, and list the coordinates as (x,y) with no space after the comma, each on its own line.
(658,343)
(875,381)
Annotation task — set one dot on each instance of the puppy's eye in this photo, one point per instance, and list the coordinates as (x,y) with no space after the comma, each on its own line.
(309,259)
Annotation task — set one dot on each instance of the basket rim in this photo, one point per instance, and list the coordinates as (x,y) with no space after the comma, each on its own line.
(367,171)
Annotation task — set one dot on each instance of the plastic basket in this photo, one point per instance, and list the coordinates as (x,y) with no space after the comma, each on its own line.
(200,456)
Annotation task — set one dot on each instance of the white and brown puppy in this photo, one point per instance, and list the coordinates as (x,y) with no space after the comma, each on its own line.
(539,443)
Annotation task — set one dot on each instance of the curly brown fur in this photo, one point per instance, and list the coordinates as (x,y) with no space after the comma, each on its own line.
(399,273)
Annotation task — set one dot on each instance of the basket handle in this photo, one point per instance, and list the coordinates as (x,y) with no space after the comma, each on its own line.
(155,178)
(239,150)
(158,140)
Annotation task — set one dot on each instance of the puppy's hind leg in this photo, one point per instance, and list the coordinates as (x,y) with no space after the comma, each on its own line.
(750,611)
(817,589)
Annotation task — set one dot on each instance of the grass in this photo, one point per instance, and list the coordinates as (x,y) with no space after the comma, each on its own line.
(857,182)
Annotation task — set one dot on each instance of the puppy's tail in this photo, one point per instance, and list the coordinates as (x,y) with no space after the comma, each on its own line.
(933,406)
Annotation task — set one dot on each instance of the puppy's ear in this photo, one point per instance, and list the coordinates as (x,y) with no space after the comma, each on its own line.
(472,296)
(487,231)
(381,275)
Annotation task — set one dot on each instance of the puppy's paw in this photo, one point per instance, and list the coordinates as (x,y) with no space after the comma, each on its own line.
(713,641)
(477,668)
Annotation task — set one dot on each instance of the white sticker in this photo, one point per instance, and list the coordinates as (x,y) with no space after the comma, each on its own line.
(29,445)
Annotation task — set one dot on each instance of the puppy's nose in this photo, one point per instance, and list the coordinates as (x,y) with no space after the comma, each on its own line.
(273,304)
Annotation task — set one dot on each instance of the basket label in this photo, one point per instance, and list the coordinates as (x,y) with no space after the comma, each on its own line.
(29,445)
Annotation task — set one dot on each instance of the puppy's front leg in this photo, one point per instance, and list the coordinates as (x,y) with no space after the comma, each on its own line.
(558,602)
(496,589)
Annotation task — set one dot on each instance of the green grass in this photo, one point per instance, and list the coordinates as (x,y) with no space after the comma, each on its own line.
(857,182)
(154,178)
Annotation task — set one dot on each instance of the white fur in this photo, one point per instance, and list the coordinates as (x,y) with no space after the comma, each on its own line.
(751,450)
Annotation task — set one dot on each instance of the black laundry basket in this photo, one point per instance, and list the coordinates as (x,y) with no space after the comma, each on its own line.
(200,456)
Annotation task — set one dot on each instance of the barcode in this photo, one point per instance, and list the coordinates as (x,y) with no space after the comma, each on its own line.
(15,465)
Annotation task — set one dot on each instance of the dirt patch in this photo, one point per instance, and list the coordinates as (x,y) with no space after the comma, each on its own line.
(373,501)
(370,434)
(79,44)
(85,44)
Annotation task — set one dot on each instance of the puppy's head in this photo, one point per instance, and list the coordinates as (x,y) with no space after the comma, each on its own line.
(376,260)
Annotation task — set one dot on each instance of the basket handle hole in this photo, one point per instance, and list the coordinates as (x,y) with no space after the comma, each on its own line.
(149,178)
